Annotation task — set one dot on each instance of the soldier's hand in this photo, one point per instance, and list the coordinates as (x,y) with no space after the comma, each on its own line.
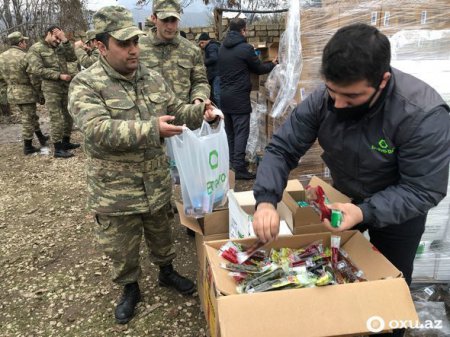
(65,77)
(60,35)
(197,101)
(168,130)
(266,222)
(79,44)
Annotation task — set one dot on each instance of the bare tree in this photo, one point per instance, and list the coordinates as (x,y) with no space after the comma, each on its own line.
(31,17)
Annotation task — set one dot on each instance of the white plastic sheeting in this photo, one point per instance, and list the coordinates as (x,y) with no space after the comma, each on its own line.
(286,75)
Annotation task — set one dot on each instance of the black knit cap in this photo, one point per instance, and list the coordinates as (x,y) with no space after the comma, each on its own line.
(204,37)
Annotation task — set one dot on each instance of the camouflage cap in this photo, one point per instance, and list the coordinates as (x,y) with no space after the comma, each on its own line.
(117,21)
(166,8)
(90,35)
(16,37)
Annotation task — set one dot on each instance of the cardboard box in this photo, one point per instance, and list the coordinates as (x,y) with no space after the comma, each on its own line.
(241,209)
(335,310)
(295,192)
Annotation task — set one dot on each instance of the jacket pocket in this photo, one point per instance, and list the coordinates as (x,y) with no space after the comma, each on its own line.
(121,108)
(158,103)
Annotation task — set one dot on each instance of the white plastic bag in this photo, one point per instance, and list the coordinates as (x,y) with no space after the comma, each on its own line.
(203,162)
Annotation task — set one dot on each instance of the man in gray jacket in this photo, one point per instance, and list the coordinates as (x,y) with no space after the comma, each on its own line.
(386,140)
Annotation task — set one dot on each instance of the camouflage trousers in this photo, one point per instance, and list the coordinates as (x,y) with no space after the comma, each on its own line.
(30,120)
(120,237)
(60,120)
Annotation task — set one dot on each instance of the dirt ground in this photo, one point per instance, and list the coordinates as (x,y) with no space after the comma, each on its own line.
(54,280)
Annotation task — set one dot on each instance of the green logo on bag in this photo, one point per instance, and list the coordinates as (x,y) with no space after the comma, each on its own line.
(212,185)
(383,147)
(213,159)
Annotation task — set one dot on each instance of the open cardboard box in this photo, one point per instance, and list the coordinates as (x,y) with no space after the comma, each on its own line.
(336,310)
(241,209)
(303,216)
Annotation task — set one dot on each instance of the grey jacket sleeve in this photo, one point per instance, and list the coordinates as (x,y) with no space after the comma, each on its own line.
(423,163)
(287,146)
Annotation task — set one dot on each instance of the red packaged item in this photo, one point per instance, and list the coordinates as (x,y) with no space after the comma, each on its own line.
(317,198)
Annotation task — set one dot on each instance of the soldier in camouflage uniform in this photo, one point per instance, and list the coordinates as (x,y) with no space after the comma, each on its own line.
(4,106)
(21,89)
(124,111)
(48,60)
(86,51)
(178,60)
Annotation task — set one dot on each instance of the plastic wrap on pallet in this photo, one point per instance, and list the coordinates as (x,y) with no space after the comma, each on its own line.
(438,220)
(432,262)
(287,73)
(424,54)
(257,139)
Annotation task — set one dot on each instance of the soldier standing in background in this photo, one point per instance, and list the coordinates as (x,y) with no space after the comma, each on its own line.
(178,60)
(124,110)
(23,90)
(86,51)
(48,59)
(4,106)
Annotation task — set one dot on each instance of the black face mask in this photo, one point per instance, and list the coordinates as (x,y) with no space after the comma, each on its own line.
(353,113)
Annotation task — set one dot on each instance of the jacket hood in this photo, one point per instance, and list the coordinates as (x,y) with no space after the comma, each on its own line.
(232,39)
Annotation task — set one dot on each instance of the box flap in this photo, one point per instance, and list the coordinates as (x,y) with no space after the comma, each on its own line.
(366,257)
(326,311)
(294,185)
(310,229)
(333,194)
(213,223)
(189,222)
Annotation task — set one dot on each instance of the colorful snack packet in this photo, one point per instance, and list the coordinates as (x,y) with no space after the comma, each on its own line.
(326,277)
(229,251)
(343,255)
(319,201)
(280,283)
(335,245)
(244,256)
(274,273)
(336,218)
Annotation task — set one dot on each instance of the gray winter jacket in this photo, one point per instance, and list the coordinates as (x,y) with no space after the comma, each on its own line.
(393,163)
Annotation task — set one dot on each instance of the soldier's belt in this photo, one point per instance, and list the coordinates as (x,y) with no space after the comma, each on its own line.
(145,166)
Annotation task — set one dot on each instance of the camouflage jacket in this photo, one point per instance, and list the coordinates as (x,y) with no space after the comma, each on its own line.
(127,169)
(179,62)
(86,59)
(48,63)
(21,86)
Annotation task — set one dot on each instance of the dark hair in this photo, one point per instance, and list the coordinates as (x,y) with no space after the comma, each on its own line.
(183,34)
(16,43)
(103,38)
(50,29)
(354,53)
(237,24)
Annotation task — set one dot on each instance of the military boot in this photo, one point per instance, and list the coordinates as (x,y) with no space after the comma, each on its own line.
(42,138)
(28,147)
(168,277)
(68,145)
(60,152)
(125,308)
